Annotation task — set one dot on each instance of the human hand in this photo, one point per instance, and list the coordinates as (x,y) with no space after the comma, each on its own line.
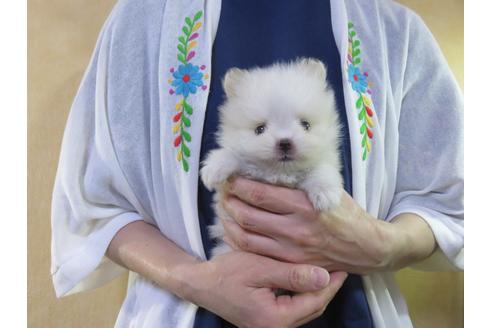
(281,223)
(239,287)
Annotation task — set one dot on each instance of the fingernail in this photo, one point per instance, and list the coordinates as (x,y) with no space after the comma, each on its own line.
(321,277)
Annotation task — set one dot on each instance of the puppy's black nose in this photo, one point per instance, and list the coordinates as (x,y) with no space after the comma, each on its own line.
(285,145)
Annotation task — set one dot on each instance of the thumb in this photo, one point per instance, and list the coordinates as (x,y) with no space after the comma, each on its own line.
(297,277)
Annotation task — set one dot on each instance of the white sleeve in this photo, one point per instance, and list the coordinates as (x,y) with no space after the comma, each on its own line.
(430,161)
(91,199)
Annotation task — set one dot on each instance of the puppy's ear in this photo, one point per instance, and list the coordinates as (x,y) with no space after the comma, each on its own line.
(314,67)
(231,80)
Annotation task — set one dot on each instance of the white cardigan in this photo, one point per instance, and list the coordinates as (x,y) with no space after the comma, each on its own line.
(119,163)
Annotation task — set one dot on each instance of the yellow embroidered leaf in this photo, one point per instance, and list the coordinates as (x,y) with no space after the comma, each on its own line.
(179,105)
(369,121)
(197,26)
(368,145)
(367,101)
(179,155)
(205,77)
(192,45)
(170,81)
(175,128)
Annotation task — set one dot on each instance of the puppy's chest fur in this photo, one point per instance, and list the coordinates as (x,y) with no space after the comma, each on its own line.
(273,175)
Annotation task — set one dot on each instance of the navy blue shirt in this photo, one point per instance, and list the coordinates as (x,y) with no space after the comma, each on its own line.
(259,33)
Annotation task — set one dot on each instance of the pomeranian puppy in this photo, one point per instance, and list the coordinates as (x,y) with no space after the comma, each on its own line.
(279,125)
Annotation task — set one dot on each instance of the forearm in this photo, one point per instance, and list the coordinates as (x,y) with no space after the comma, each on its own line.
(142,248)
(414,240)
(220,285)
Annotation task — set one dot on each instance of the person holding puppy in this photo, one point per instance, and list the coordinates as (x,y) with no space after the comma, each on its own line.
(128,191)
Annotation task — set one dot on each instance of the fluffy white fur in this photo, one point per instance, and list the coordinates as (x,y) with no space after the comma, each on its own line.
(282,98)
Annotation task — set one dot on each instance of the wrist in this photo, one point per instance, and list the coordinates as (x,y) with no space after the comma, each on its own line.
(410,240)
(193,280)
(398,248)
(417,241)
(180,279)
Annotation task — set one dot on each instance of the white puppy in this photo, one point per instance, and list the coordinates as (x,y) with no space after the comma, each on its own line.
(279,125)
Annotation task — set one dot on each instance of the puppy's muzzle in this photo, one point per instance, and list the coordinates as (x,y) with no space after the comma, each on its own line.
(285,149)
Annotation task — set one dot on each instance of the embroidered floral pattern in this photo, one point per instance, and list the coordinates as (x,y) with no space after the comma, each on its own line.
(186,80)
(361,86)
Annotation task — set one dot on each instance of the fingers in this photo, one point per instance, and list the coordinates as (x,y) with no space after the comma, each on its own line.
(337,280)
(302,308)
(252,218)
(275,199)
(240,239)
(251,242)
(295,277)
(309,306)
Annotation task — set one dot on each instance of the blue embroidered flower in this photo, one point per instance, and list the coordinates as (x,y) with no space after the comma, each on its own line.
(357,79)
(187,78)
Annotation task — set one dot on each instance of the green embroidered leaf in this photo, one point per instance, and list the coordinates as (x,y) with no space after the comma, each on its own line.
(186,121)
(363,142)
(186,31)
(198,15)
(186,135)
(186,150)
(355,52)
(182,49)
(362,115)
(350,25)
(362,127)
(188,108)
(364,155)
(356,61)
(185,165)
(352,34)
(189,22)
(355,44)
(182,58)
(359,103)
(182,40)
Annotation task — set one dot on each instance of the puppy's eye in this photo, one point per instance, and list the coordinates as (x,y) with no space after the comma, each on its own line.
(306,125)
(260,129)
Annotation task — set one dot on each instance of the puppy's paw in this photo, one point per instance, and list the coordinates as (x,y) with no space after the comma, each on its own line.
(324,187)
(217,168)
(213,176)
(220,249)
(216,231)
(324,199)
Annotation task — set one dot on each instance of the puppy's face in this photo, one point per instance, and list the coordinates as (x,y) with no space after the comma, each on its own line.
(282,115)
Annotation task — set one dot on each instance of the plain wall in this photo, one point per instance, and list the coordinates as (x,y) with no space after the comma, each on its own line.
(61,37)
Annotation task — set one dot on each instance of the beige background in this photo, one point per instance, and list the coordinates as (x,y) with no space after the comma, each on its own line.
(61,37)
